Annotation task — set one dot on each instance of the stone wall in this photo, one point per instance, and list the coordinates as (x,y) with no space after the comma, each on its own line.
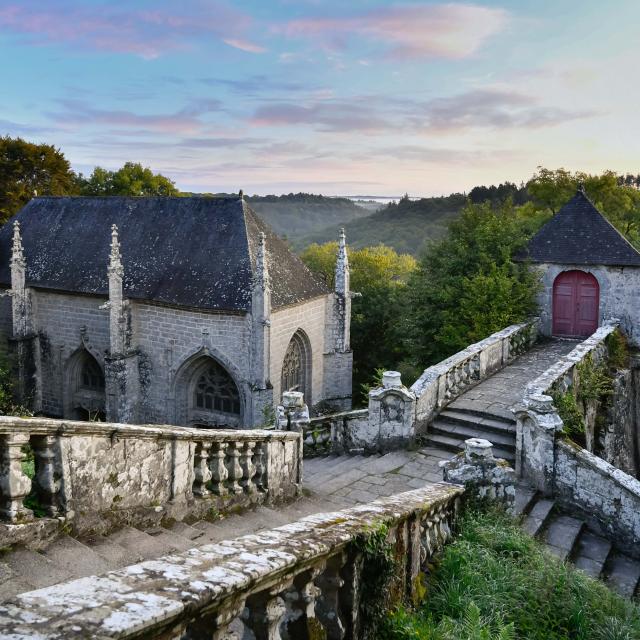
(96,475)
(619,295)
(65,324)
(174,339)
(302,580)
(310,318)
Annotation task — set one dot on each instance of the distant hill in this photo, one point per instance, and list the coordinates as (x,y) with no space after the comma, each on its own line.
(404,225)
(298,214)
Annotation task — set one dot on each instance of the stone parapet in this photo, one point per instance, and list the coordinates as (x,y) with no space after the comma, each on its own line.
(442,383)
(91,476)
(304,578)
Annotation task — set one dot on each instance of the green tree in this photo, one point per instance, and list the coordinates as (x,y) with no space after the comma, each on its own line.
(28,169)
(467,285)
(132,179)
(615,196)
(379,275)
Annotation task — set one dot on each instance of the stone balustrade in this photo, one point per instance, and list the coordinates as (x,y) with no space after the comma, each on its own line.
(96,475)
(299,581)
(336,433)
(444,382)
(578,479)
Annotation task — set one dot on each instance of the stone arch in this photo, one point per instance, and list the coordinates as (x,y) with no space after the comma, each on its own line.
(296,369)
(84,382)
(207,392)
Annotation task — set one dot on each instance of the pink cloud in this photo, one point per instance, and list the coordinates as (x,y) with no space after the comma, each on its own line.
(444,30)
(116,28)
(244,45)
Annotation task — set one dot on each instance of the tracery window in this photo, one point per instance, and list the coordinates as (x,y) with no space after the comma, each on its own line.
(91,376)
(216,391)
(296,365)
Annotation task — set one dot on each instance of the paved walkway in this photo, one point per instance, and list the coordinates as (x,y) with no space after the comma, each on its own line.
(503,389)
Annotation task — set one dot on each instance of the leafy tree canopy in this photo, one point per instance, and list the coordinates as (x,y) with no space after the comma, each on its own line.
(132,179)
(28,169)
(379,275)
(467,285)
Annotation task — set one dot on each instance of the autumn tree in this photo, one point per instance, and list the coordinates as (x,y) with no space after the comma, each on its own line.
(379,275)
(28,169)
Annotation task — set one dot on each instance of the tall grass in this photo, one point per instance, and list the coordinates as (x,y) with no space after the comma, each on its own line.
(497,582)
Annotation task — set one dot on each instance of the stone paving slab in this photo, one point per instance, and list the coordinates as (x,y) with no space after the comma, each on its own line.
(505,388)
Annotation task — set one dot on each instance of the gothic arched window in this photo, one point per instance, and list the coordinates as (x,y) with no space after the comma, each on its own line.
(295,366)
(91,376)
(216,391)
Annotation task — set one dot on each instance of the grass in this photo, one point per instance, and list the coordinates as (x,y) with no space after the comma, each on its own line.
(496,582)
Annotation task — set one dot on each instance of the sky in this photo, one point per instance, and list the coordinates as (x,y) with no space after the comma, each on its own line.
(364,97)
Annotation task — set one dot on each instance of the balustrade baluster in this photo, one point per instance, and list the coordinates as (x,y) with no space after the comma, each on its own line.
(328,605)
(260,464)
(264,612)
(302,598)
(14,484)
(234,469)
(46,485)
(216,626)
(219,472)
(201,467)
(248,468)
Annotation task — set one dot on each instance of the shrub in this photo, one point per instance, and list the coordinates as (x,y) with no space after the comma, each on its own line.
(496,581)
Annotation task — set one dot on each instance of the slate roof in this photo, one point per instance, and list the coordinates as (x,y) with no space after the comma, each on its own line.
(196,252)
(580,234)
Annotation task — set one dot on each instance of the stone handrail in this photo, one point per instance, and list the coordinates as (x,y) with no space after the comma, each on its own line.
(560,376)
(97,475)
(333,433)
(558,467)
(442,383)
(314,566)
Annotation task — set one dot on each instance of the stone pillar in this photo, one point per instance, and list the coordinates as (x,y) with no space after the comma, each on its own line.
(293,413)
(487,477)
(24,343)
(122,364)
(339,357)
(537,426)
(262,394)
(392,410)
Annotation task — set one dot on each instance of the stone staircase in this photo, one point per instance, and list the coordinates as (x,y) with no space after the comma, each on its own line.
(572,540)
(453,426)
(68,558)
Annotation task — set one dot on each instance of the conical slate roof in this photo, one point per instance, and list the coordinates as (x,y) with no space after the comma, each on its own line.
(197,252)
(580,234)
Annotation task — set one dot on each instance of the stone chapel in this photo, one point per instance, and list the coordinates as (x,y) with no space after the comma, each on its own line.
(589,272)
(188,311)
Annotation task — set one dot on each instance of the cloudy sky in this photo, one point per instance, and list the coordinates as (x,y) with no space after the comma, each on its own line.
(327,96)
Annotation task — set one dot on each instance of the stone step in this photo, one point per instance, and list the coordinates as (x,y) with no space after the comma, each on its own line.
(171,539)
(488,422)
(29,570)
(469,430)
(524,500)
(186,531)
(538,516)
(334,469)
(591,553)
(455,444)
(140,543)
(76,557)
(623,574)
(470,408)
(561,536)
(112,553)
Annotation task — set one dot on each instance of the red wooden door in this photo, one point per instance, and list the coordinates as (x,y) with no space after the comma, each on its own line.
(575,304)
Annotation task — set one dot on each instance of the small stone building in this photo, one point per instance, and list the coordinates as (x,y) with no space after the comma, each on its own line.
(589,272)
(188,311)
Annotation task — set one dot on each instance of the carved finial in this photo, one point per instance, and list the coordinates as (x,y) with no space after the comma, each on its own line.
(581,188)
(342,265)
(241,194)
(17,250)
(342,247)
(262,268)
(115,261)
